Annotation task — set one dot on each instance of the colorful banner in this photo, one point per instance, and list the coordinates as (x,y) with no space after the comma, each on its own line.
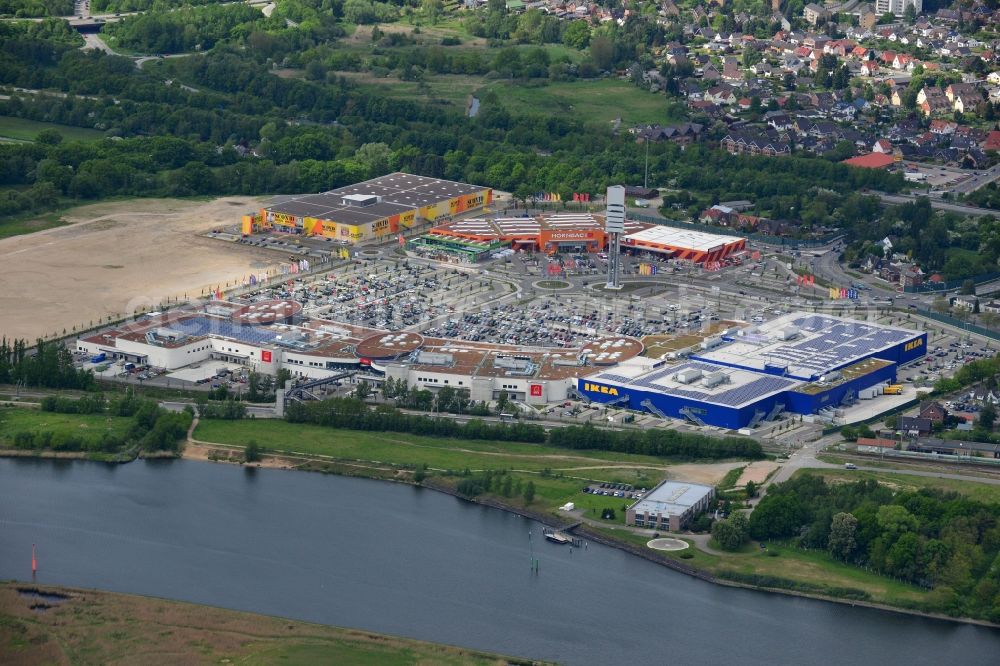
(647,269)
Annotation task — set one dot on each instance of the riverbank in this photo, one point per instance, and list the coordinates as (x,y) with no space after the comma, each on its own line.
(777,570)
(47,624)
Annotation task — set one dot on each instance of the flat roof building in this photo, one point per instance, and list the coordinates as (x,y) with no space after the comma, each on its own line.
(696,246)
(670,505)
(370,210)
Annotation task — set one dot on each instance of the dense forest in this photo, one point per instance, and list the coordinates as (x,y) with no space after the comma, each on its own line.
(937,540)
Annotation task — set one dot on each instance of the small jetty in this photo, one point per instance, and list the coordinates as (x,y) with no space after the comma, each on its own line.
(556,537)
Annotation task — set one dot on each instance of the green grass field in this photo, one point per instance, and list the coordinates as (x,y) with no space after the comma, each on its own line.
(437,453)
(29,224)
(88,426)
(982,492)
(597,100)
(27,130)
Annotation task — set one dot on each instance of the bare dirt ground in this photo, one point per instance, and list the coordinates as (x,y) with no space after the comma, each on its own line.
(707,473)
(756,472)
(115,257)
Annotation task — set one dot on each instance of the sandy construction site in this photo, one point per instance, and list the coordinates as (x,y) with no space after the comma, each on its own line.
(119,256)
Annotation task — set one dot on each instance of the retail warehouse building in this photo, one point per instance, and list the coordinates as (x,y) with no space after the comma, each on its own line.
(800,363)
(375,209)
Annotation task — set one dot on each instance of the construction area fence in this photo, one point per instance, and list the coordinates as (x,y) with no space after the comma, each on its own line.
(958,323)
(931,287)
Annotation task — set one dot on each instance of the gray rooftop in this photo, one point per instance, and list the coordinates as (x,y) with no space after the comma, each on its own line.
(672,497)
(400,193)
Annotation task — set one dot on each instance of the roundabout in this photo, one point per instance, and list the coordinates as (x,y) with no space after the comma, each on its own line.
(552,284)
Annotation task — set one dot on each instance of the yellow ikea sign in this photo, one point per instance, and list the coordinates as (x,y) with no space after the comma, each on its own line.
(913,344)
(597,388)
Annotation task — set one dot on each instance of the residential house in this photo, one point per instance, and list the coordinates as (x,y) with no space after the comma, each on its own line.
(738,143)
(943,127)
(815,14)
(867,19)
(882,146)
(915,425)
(721,94)
(874,444)
(731,70)
(869,68)
(934,411)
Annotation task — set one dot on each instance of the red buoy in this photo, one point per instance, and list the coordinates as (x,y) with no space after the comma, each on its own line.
(34,561)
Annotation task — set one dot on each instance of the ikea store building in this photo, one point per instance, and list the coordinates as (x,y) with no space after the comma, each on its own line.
(800,363)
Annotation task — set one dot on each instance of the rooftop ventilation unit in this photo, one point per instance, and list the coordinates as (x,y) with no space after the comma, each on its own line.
(713,379)
(421,357)
(688,376)
(361,200)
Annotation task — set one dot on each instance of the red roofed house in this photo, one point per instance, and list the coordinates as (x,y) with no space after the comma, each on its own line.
(939,126)
(992,141)
(870,161)
(869,68)
(882,146)
(874,445)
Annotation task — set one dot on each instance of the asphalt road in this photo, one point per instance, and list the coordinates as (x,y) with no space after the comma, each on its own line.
(938,204)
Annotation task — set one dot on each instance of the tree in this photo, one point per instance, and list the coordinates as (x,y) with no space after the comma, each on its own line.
(731,533)
(363,391)
(987,417)
(419,474)
(252,453)
(602,52)
(843,535)
(529,492)
(49,137)
(577,35)
(751,489)
(432,10)
(374,157)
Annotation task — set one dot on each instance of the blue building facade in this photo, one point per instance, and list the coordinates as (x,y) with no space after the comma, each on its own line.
(774,391)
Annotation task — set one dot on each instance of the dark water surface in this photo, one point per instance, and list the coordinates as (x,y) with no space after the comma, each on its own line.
(402,560)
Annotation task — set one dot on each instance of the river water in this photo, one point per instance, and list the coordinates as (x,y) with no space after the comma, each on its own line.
(412,562)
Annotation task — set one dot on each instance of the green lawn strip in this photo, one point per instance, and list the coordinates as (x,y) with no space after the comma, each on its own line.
(411,450)
(88,426)
(981,492)
(29,224)
(27,130)
(816,569)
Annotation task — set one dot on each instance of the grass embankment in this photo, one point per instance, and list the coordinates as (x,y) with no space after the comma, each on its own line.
(901,481)
(101,628)
(559,475)
(89,427)
(26,130)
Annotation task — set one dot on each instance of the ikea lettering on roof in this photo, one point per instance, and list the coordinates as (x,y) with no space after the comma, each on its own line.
(597,388)
(913,344)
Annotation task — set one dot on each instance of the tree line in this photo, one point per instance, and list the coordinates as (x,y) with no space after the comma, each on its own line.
(48,365)
(655,442)
(941,541)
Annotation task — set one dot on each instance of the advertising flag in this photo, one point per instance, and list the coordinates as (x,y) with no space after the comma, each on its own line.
(402,240)
(834,292)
